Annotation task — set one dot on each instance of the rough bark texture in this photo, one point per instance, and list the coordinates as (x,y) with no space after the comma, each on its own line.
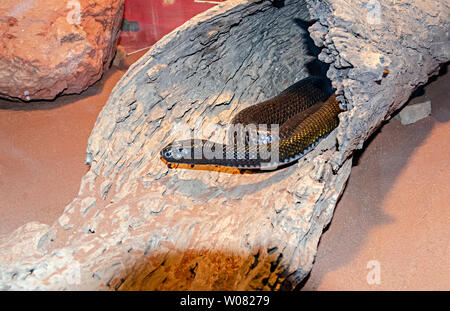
(55,47)
(137,225)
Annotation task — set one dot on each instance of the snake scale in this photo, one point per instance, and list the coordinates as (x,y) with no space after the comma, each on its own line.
(306,112)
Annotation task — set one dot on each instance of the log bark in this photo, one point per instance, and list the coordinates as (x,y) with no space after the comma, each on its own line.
(138,225)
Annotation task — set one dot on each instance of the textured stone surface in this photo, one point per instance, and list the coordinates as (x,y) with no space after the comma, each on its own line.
(55,47)
(413,113)
(137,225)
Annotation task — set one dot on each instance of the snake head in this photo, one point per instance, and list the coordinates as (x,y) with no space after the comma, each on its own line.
(181,151)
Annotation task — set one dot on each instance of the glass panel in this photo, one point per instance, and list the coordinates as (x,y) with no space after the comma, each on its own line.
(145,22)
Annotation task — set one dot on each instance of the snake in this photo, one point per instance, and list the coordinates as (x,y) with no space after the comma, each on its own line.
(305,113)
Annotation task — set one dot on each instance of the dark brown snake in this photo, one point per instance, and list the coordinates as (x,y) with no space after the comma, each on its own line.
(306,112)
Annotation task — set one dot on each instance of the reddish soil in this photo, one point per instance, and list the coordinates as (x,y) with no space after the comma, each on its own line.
(395,208)
(43,147)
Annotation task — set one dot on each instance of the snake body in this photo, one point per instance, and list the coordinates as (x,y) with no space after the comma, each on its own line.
(306,112)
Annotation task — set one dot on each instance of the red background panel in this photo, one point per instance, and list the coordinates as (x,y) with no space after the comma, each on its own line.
(157,18)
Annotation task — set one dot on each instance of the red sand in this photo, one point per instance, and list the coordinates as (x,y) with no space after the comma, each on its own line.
(43,149)
(394,209)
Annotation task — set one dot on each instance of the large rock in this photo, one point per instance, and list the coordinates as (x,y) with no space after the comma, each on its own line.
(51,47)
(135,224)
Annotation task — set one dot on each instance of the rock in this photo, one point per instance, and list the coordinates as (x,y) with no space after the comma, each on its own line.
(52,47)
(158,229)
(413,113)
(119,59)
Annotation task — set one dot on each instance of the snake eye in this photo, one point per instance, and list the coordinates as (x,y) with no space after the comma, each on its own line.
(168,153)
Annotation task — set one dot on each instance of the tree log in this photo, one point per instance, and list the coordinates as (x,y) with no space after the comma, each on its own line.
(138,225)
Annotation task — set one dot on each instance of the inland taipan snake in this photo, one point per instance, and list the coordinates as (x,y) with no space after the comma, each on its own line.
(306,112)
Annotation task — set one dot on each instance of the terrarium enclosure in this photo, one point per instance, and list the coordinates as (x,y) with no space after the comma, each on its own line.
(138,225)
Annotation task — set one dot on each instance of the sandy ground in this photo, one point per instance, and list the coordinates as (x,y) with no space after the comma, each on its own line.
(43,147)
(394,212)
(394,215)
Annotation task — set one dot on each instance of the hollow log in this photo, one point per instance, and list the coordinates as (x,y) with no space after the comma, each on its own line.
(136,224)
